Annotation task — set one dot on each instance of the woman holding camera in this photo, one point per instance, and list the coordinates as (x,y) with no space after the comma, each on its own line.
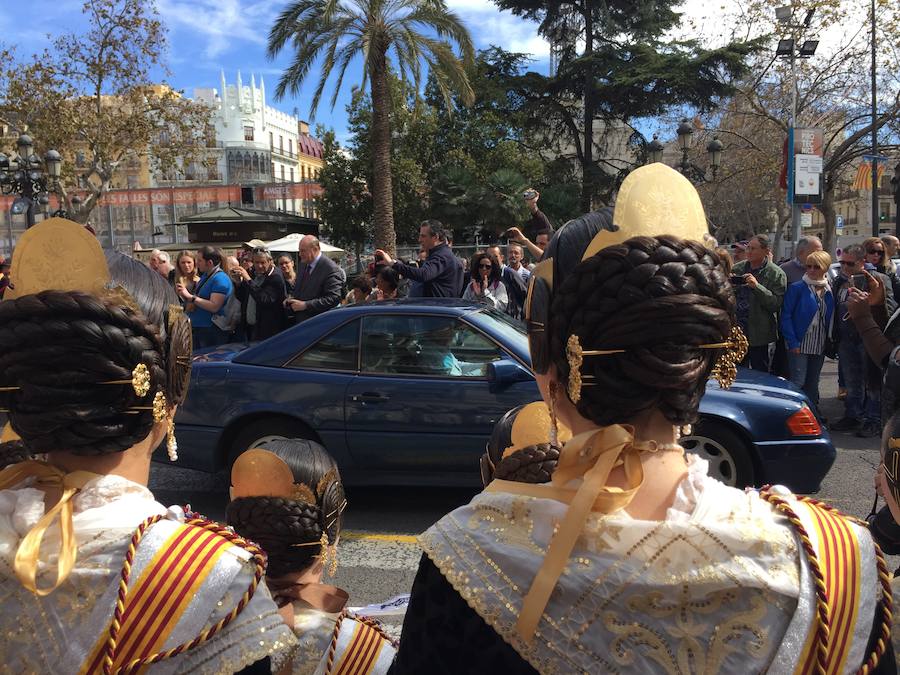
(806,323)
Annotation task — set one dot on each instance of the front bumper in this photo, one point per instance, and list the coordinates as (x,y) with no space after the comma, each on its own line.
(798,464)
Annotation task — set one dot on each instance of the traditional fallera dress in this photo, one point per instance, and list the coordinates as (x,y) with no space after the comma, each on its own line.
(332,640)
(724,584)
(190,588)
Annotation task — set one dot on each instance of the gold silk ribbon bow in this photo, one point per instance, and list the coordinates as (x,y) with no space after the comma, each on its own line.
(591,457)
(47,477)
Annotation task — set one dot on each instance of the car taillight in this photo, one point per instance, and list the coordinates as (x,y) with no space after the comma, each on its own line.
(804,423)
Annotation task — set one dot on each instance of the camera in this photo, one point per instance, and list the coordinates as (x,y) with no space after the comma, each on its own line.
(737,280)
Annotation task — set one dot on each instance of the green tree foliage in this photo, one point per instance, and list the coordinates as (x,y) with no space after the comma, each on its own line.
(338,31)
(92,95)
(616,65)
(346,204)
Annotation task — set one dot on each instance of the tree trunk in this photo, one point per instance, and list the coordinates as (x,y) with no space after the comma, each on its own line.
(382,185)
(829,238)
(587,161)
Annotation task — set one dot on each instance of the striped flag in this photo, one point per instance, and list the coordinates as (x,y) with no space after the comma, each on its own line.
(863,179)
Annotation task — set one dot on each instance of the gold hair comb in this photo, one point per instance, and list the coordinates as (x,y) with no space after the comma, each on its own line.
(140,381)
(725,370)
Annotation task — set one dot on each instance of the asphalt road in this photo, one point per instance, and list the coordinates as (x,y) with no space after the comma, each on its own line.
(378,554)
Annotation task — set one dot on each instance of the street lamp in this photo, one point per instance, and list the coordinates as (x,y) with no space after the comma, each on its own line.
(29,177)
(655,149)
(685,133)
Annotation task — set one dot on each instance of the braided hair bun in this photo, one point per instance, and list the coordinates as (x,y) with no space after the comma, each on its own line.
(532,463)
(290,529)
(56,347)
(657,298)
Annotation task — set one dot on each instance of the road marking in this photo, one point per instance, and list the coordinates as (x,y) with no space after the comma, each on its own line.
(374,536)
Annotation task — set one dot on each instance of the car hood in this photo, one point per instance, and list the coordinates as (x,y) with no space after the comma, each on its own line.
(755,383)
(222,353)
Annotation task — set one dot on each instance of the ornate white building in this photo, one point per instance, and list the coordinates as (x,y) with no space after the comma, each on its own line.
(256,143)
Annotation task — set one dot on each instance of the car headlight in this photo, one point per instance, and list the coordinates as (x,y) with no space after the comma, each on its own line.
(804,423)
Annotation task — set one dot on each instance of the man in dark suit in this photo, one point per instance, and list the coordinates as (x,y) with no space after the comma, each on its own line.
(318,286)
(441,275)
(262,296)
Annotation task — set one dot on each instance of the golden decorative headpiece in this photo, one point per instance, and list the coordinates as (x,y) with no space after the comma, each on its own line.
(724,371)
(532,426)
(262,473)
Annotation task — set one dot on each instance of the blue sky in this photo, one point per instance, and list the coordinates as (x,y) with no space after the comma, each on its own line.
(206,36)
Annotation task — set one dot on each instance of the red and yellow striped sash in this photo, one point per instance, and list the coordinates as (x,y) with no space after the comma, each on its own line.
(839,559)
(161,595)
(361,655)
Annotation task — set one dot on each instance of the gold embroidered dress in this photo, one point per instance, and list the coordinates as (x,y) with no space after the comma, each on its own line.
(721,585)
(63,631)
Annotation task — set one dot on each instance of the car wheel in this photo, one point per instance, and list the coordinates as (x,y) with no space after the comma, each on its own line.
(257,434)
(727,454)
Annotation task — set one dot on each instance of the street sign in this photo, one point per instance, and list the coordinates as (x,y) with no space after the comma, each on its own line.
(805,220)
(839,222)
(805,166)
(806,208)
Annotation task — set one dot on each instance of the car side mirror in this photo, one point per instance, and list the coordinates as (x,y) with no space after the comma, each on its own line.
(506,372)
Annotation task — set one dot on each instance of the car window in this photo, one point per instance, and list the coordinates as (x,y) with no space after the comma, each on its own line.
(336,351)
(425,345)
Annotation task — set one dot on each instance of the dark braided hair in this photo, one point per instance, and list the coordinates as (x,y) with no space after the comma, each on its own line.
(57,346)
(657,298)
(278,524)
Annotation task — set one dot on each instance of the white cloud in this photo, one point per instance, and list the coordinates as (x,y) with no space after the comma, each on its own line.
(221,23)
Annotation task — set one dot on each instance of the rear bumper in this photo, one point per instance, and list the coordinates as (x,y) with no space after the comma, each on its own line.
(799,464)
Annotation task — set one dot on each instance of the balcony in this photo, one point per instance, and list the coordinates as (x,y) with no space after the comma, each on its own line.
(281,152)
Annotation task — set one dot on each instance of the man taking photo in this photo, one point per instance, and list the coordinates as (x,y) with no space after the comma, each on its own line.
(441,275)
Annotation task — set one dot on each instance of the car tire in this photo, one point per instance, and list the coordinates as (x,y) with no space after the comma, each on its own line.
(258,433)
(727,453)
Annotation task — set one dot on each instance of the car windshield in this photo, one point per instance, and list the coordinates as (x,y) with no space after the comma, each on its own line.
(512,332)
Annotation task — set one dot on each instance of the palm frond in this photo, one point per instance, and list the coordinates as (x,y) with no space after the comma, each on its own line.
(285,25)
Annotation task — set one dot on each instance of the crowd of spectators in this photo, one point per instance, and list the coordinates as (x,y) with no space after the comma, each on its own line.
(253,296)
(799,312)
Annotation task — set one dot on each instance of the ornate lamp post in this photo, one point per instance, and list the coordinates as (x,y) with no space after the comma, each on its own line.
(690,170)
(655,150)
(27,175)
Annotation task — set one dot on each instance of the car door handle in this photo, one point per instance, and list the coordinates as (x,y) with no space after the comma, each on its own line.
(369,397)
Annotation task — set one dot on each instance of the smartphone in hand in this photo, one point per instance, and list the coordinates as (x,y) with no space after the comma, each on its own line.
(860,281)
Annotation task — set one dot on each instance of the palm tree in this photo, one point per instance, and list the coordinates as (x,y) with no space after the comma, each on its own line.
(339,30)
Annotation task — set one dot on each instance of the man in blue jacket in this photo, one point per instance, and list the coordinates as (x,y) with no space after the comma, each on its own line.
(441,275)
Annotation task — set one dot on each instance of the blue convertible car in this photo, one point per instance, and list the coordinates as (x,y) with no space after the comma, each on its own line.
(407,392)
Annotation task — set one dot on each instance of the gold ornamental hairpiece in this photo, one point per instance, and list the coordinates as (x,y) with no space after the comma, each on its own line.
(532,427)
(735,351)
(724,371)
(140,382)
(654,200)
(575,356)
(262,473)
